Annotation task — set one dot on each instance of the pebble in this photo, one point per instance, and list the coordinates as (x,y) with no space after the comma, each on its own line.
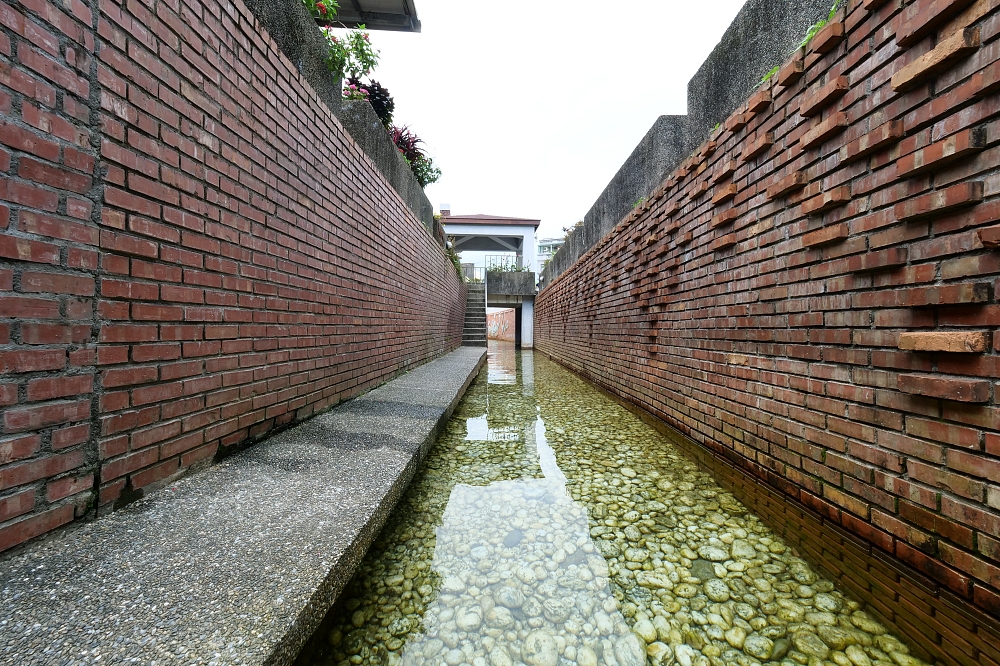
(758,647)
(635,557)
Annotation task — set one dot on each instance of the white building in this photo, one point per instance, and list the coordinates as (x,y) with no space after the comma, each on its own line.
(493,240)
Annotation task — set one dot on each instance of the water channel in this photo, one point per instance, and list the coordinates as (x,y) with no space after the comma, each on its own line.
(551,526)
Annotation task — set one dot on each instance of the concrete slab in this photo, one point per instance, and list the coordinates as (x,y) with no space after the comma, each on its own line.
(237,564)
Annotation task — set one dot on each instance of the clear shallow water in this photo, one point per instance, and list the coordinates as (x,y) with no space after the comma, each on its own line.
(551,526)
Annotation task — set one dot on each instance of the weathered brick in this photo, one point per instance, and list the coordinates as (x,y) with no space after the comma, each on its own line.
(959,45)
(946,341)
(956,147)
(820,97)
(940,202)
(920,18)
(946,388)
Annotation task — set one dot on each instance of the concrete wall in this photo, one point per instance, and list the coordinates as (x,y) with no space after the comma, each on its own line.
(816,301)
(763,34)
(510,284)
(194,252)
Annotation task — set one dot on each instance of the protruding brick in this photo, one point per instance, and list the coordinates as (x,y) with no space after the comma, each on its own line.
(920,18)
(724,242)
(989,237)
(956,147)
(877,261)
(724,218)
(723,194)
(945,388)
(828,37)
(759,101)
(940,202)
(959,45)
(791,72)
(968,342)
(828,200)
(824,130)
(738,121)
(825,236)
(823,96)
(727,169)
(759,146)
(881,137)
(788,184)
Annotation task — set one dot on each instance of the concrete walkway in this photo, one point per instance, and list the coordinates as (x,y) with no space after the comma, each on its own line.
(237,564)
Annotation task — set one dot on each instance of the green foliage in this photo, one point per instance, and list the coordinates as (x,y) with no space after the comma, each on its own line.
(425,171)
(767,77)
(351,54)
(456,262)
(639,202)
(508,266)
(420,162)
(816,27)
(322,9)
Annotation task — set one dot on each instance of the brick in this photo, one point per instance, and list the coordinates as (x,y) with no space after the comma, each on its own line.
(16,505)
(946,341)
(18,448)
(881,137)
(824,130)
(35,418)
(939,202)
(790,72)
(828,38)
(68,486)
(724,242)
(941,57)
(945,388)
(791,183)
(724,218)
(759,146)
(738,121)
(920,18)
(935,156)
(723,194)
(825,235)
(989,237)
(33,526)
(130,463)
(49,388)
(823,96)
(759,101)
(946,433)
(26,472)
(826,201)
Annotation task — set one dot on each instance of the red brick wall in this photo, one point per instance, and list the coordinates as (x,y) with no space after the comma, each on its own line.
(232,264)
(758,301)
(48,262)
(501,325)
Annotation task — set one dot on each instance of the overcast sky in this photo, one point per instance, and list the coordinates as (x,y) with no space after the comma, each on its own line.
(530,108)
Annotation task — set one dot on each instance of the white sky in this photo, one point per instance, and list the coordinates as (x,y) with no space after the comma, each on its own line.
(530,108)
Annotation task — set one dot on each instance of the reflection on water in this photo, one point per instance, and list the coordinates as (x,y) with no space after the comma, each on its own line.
(549,526)
(502,362)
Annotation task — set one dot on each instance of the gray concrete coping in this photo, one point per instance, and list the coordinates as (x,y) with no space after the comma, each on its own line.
(237,564)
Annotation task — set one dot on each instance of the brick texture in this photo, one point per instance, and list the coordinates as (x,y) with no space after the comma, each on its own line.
(782,352)
(193,253)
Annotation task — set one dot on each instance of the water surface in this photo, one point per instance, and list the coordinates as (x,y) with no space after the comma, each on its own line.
(550,526)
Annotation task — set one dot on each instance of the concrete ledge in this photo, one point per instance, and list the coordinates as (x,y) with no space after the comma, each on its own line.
(238,564)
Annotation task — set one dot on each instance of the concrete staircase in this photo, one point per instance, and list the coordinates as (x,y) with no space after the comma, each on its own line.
(474,334)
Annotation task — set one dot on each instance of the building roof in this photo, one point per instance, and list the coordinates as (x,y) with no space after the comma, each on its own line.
(490,220)
(398,15)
